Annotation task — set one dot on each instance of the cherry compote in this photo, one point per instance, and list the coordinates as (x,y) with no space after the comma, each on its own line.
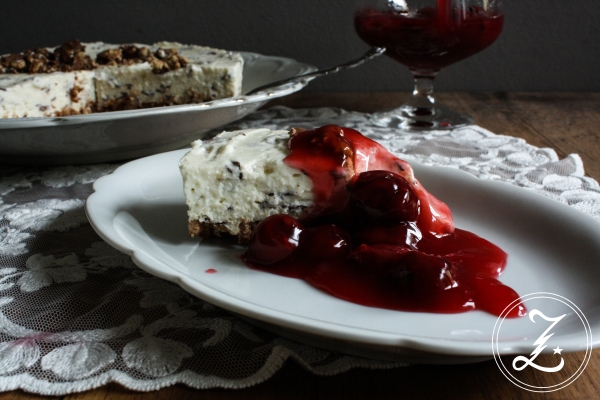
(375,236)
(429,39)
(383,198)
(274,239)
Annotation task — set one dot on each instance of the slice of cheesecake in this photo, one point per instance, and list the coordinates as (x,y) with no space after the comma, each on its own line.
(237,179)
(81,78)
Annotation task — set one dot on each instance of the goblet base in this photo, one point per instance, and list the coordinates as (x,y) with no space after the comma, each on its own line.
(411,118)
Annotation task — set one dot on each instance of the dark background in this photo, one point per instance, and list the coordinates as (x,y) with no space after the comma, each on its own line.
(546,45)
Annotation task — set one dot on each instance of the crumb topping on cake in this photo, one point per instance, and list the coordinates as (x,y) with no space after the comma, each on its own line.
(162,60)
(71,56)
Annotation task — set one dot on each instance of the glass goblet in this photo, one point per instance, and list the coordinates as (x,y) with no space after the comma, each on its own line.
(425,36)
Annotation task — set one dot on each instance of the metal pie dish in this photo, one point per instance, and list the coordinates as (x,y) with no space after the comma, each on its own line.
(122,135)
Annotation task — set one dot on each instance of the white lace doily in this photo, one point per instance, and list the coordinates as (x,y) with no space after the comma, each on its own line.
(76,314)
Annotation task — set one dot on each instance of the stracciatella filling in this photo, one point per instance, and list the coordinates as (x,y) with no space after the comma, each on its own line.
(237,179)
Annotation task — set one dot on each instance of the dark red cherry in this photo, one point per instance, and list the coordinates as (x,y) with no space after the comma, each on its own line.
(384,196)
(327,158)
(324,242)
(425,274)
(327,140)
(275,238)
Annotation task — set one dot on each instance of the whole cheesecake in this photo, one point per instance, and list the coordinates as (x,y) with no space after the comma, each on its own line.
(81,78)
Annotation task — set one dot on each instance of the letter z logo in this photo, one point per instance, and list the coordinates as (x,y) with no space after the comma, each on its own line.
(541,345)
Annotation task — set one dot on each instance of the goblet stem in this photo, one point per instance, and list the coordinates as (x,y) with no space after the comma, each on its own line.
(422,101)
(420,113)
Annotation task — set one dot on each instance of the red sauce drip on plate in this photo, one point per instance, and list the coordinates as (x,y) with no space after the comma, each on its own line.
(211,271)
(375,236)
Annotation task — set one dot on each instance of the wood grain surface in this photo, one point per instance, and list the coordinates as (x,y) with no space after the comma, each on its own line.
(566,122)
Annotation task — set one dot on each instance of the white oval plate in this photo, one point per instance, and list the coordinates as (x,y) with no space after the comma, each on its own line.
(120,135)
(140,210)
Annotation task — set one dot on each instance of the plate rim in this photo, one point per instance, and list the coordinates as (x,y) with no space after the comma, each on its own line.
(438,346)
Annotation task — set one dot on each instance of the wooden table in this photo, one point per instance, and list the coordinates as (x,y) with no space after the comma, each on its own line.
(566,122)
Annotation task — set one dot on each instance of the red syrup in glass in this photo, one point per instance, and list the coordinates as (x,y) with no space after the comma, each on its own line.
(377,238)
(430,38)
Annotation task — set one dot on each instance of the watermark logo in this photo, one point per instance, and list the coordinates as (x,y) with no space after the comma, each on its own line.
(550,319)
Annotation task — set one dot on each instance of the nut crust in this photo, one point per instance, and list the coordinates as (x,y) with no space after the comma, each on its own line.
(206,229)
